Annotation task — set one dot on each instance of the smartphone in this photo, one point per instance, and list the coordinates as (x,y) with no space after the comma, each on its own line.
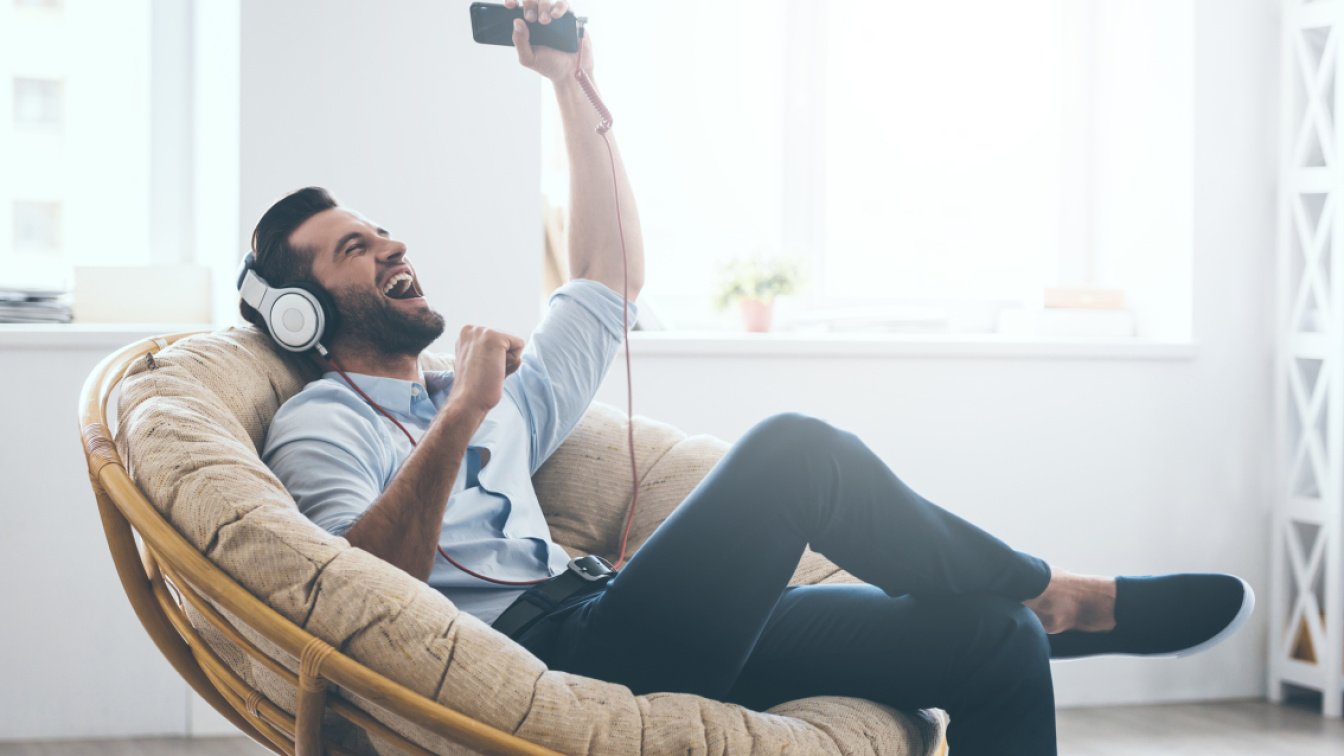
(492,24)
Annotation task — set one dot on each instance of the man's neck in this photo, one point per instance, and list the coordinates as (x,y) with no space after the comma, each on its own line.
(368,362)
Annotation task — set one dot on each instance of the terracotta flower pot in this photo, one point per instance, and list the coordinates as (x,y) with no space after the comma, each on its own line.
(756,313)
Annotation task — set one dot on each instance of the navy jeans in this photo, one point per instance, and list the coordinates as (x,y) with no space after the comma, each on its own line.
(704,605)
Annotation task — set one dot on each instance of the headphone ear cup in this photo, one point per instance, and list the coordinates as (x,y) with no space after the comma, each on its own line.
(331,317)
(295,318)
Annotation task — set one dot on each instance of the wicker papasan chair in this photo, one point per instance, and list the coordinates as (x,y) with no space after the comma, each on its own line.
(309,645)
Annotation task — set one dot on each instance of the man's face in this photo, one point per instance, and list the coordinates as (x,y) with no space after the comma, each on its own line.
(377,293)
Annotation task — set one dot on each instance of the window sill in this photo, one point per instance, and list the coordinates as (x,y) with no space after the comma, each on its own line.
(73,336)
(710,344)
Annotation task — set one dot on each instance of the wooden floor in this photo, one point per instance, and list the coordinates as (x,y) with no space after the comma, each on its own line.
(1225,728)
(1235,728)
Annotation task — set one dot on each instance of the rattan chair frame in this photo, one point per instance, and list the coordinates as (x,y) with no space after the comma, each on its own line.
(163,574)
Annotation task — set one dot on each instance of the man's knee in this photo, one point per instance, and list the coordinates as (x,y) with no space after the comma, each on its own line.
(1026,639)
(1004,639)
(792,428)
(1017,649)
(1004,679)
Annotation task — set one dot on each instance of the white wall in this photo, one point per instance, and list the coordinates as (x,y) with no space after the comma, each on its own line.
(401,116)
(75,661)
(1099,465)
(1105,466)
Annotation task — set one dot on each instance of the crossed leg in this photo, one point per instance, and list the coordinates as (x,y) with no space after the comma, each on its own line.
(704,607)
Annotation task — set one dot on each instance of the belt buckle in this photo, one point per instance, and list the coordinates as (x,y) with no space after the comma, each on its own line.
(591,568)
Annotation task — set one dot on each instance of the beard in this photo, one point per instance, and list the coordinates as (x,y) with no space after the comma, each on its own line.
(370,322)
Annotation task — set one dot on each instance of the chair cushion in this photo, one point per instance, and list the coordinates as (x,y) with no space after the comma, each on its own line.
(192,419)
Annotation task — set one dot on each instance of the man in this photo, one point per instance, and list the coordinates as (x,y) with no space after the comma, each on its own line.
(413,467)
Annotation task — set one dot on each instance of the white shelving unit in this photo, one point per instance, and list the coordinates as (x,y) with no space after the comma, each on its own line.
(1307,594)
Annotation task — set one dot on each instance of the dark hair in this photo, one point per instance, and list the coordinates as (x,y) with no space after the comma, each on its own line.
(276,260)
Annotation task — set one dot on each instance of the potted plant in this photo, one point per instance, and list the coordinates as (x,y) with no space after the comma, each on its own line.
(754,283)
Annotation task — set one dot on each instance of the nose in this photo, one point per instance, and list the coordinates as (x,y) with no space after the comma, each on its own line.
(392,251)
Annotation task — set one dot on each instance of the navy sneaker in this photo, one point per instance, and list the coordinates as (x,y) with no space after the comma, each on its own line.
(1164,615)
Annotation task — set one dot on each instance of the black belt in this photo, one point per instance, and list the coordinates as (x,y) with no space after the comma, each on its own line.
(585,575)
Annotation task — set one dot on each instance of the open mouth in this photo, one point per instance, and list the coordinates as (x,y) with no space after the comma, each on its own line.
(402,286)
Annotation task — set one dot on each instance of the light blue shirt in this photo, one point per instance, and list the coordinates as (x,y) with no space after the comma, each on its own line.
(336,454)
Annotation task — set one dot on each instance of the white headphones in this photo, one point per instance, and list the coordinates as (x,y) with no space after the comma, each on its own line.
(298,315)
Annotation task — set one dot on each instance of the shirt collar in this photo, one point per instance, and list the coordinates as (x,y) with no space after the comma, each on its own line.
(392,394)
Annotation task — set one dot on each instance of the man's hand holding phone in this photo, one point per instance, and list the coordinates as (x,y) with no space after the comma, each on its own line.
(549,62)
(483,358)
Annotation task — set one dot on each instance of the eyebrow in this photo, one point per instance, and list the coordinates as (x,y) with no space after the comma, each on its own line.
(353,235)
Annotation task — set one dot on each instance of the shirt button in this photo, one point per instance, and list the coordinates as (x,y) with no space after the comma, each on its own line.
(415,391)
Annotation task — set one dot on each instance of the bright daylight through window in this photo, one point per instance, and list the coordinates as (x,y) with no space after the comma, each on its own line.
(118,159)
(75,143)
(925,167)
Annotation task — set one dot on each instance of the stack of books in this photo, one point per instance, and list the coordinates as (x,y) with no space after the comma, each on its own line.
(21,305)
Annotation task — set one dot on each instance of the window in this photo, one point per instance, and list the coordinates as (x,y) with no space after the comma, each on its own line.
(78,141)
(941,141)
(929,164)
(37,104)
(37,228)
(119,142)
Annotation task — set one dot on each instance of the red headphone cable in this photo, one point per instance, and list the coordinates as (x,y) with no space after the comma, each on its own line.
(604,125)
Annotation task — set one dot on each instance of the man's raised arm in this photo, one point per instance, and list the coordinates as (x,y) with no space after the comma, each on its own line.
(594,238)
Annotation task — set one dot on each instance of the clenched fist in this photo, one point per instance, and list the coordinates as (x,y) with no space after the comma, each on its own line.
(484,357)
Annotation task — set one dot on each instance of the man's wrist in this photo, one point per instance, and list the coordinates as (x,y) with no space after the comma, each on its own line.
(461,411)
(566,86)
